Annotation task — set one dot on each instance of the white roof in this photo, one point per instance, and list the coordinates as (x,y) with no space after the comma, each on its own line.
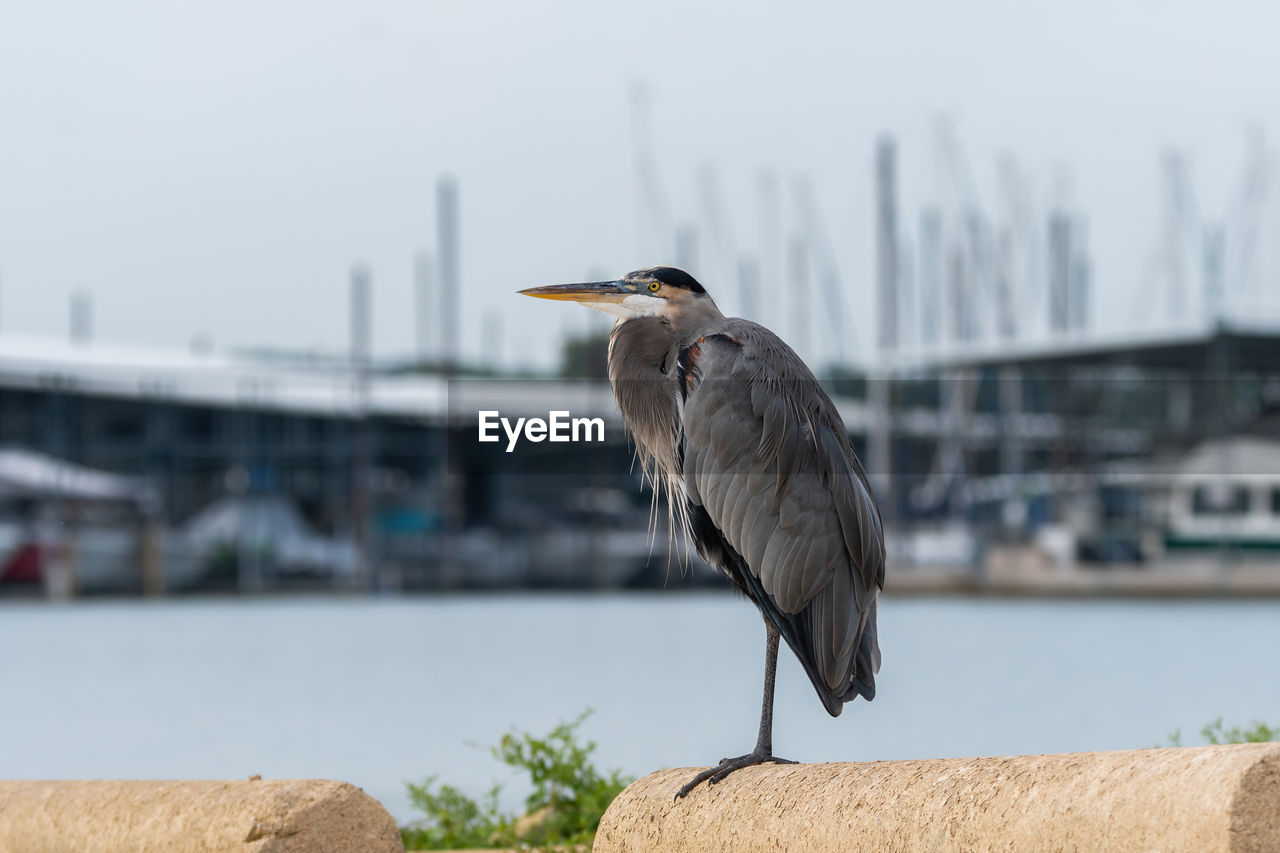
(26,473)
(227,380)
(214,378)
(1242,457)
(1076,342)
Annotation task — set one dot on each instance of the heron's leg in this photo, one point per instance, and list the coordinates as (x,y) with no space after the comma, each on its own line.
(764,740)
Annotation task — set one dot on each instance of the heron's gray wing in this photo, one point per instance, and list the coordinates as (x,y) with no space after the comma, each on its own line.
(776,495)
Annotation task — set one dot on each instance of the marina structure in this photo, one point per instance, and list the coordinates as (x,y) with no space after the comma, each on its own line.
(1002,425)
(1092,442)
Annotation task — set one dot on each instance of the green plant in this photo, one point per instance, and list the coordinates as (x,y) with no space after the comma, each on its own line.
(568,797)
(1214,734)
(453,820)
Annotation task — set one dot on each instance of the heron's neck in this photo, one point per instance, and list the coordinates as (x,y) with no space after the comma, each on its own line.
(678,318)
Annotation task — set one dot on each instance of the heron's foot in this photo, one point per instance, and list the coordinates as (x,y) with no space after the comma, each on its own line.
(726,766)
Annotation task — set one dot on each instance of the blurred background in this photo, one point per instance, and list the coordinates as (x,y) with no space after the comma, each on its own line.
(257,277)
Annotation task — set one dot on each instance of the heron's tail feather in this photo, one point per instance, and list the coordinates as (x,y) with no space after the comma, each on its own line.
(867,689)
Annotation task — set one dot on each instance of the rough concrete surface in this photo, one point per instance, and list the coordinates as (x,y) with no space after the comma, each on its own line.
(254,816)
(1202,799)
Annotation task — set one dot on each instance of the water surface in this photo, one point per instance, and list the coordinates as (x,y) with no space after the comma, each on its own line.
(377,692)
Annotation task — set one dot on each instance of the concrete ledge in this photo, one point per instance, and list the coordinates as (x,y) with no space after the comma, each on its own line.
(1216,798)
(269,816)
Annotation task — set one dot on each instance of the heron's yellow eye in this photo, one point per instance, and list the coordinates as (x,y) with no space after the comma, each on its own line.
(653,285)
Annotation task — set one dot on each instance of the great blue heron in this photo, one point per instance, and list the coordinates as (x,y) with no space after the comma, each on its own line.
(758,470)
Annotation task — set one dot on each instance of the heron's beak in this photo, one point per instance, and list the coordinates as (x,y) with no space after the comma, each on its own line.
(592,291)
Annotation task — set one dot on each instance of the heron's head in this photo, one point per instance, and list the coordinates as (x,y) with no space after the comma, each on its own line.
(650,292)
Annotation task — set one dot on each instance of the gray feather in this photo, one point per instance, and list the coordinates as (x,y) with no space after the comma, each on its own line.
(738,427)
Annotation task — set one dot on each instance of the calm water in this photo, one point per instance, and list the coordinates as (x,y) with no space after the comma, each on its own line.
(377,692)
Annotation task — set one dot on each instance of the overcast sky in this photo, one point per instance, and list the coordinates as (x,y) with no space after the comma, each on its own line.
(217,168)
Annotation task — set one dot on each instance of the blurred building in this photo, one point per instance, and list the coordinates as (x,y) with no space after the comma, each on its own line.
(388,465)
(1082,437)
(992,415)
